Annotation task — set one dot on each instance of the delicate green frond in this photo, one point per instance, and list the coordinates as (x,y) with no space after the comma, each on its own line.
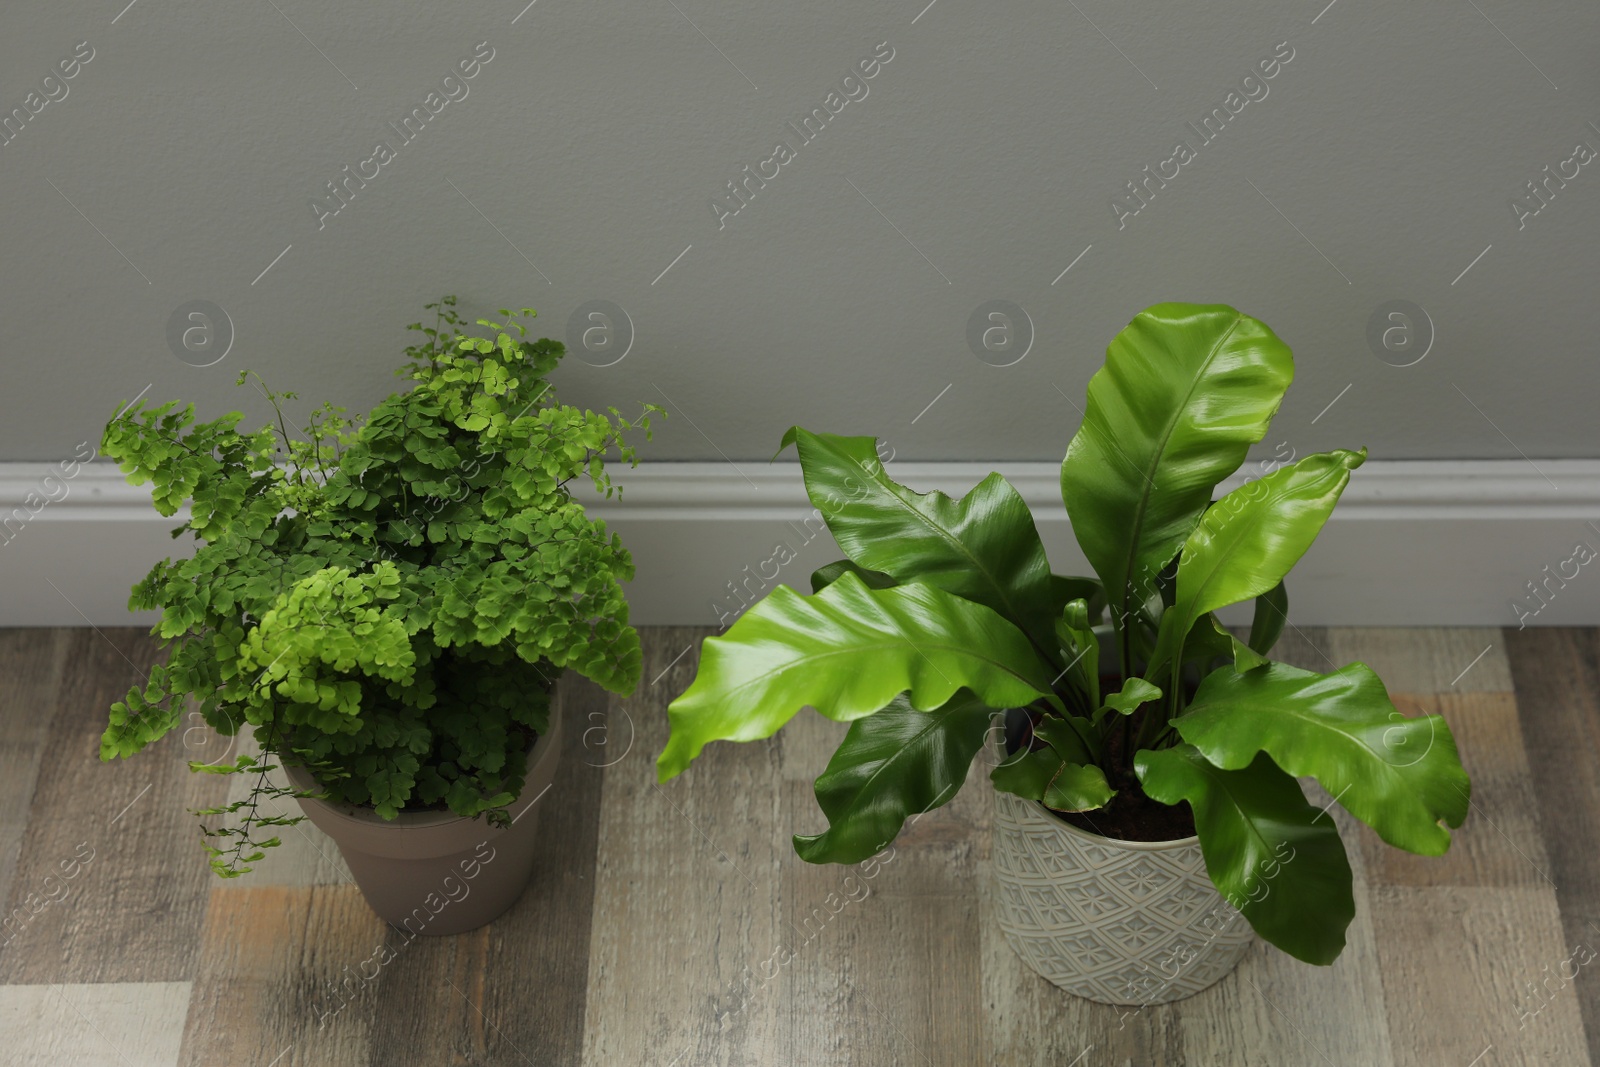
(385,599)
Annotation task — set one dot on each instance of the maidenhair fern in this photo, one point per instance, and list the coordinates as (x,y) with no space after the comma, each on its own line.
(384,601)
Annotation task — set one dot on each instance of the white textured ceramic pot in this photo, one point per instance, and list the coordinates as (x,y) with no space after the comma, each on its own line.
(1119,922)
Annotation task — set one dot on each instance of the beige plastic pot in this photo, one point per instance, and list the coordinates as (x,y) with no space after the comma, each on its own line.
(436,873)
(1119,922)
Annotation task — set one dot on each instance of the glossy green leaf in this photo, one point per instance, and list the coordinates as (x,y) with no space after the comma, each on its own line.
(1245,658)
(1209,641)
(1400,776)
(847,651)
(1185,391)
(1127,700)
(1080,649)
(1077,787)
(1071,736)
(1026,772)
(829,573)
(983,547)
(1270,853)
(1065,588)
(1250,539)
(1059,784)
(891,765)
(1272,612)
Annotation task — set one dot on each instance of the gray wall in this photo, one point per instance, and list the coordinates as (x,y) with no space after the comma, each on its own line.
(983,161)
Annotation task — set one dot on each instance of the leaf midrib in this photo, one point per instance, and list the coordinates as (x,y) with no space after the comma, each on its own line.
(960,546)
(1252,519)
(1142,508)
(938,718)
(1214,774)
(886,644)
(1390,770)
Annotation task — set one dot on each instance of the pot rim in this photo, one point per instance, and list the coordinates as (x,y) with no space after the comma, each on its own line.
(1117,842)
(415,821)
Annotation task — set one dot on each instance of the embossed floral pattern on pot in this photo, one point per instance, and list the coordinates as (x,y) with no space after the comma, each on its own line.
(1119,922)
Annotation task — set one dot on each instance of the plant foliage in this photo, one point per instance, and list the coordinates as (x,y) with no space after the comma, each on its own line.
(385,601)
(946,611)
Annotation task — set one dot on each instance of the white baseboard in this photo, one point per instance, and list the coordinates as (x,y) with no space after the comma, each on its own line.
(1412,542)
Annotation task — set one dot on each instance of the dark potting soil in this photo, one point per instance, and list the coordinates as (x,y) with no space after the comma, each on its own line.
(1130,816)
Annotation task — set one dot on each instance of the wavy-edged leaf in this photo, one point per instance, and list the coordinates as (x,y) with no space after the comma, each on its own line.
(1059,784)
(1251,538)
(847,651)
(983,547)
(1400,776)
(1128,699)
(891,765)
(1185,391)
(1269,852)
(829,573)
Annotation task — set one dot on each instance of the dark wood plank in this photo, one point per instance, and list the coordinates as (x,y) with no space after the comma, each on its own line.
(134,908)
(515,991)
(1556,673)
(1305,647)
(32,663)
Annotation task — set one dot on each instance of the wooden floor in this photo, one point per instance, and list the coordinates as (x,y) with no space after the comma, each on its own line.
(645,936)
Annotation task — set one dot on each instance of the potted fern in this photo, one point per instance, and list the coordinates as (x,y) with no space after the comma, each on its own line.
(1147,769)
(385,604)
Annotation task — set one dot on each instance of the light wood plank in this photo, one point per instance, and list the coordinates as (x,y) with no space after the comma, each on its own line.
(131,911)
(1275,1009)
(686,895)
(809,741)
(887,962)
(887,951)
(130,1024)
(1500,843)
(283,977)
(1457,964)
(1433,660)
